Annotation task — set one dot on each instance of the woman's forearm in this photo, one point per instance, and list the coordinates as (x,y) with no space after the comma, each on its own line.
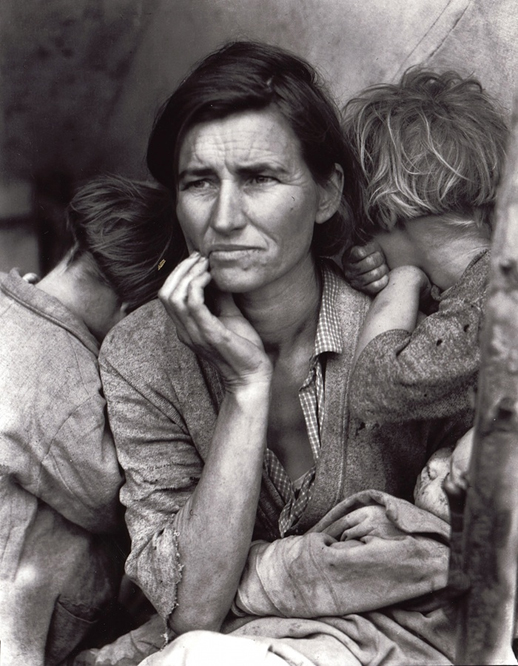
(215,526)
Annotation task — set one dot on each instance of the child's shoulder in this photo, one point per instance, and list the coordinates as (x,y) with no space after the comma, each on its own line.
(479,267)
(474,282)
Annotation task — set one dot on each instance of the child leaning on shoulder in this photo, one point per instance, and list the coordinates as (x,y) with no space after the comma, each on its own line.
(430,151)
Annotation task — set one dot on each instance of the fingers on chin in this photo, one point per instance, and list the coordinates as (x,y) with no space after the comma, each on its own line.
(186,269)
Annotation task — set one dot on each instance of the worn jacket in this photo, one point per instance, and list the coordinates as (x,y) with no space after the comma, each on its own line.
(59,475)
(431,373)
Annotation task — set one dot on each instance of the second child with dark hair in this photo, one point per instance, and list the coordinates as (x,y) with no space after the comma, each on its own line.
(431,151)
(60,518)
(124,231)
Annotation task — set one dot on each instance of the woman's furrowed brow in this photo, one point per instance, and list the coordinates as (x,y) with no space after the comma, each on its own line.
(242,171)
(199,172)
(261,167)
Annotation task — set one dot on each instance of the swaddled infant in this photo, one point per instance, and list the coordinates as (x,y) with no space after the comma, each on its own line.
(447,467)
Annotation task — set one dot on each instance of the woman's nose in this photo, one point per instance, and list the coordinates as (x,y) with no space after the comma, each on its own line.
(227,213)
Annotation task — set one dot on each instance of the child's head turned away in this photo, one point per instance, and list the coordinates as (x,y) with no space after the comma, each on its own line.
(431,145)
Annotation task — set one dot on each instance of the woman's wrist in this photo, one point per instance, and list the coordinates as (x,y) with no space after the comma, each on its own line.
(251,388)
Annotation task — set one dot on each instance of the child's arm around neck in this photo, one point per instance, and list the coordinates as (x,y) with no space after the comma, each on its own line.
(396,307)
(432,248)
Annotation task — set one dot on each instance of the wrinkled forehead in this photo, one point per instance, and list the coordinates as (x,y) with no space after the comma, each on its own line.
(246,138)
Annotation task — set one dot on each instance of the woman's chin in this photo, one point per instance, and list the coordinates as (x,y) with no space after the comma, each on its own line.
(233,281)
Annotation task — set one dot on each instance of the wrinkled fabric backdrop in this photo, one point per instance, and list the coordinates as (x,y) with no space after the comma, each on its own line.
(82,79)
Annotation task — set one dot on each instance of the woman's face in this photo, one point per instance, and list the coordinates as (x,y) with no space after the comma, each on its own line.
(247,200)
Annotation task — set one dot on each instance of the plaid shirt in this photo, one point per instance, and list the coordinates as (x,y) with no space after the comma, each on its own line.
(296,494)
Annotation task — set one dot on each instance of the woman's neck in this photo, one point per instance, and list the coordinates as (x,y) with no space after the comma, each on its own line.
(285,313)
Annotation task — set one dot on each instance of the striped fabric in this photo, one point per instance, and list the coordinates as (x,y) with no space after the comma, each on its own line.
(296,494)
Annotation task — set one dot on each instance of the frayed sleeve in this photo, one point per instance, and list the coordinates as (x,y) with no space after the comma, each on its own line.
(398,553)
(428,374)
(431,373)
(162,468)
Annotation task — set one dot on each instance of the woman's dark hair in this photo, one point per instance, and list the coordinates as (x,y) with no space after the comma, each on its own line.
(125,229)
(245,76)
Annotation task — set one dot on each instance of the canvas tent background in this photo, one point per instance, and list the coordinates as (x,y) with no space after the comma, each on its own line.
(81,79)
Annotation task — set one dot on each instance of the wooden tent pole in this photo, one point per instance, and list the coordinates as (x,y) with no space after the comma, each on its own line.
(490,536)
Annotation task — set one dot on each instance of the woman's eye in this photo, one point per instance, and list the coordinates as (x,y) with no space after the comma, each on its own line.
(198,184)
(261,179)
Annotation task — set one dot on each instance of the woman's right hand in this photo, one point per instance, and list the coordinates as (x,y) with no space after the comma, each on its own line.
(226,339)
(215,525)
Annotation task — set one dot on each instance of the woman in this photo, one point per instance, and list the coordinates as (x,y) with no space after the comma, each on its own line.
(228,400)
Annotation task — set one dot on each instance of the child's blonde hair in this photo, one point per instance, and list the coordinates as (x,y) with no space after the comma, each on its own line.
(433,144)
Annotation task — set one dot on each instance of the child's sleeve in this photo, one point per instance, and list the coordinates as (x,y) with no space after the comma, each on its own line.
(427,374)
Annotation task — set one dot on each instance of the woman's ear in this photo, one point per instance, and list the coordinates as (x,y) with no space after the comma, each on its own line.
(330,195)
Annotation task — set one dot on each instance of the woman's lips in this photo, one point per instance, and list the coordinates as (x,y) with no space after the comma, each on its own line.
(230,252)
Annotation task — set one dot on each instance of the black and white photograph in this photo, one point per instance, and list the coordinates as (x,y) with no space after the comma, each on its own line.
(258,332)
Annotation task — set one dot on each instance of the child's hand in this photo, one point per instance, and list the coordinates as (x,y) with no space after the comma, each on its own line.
(456,483)
(365,268)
